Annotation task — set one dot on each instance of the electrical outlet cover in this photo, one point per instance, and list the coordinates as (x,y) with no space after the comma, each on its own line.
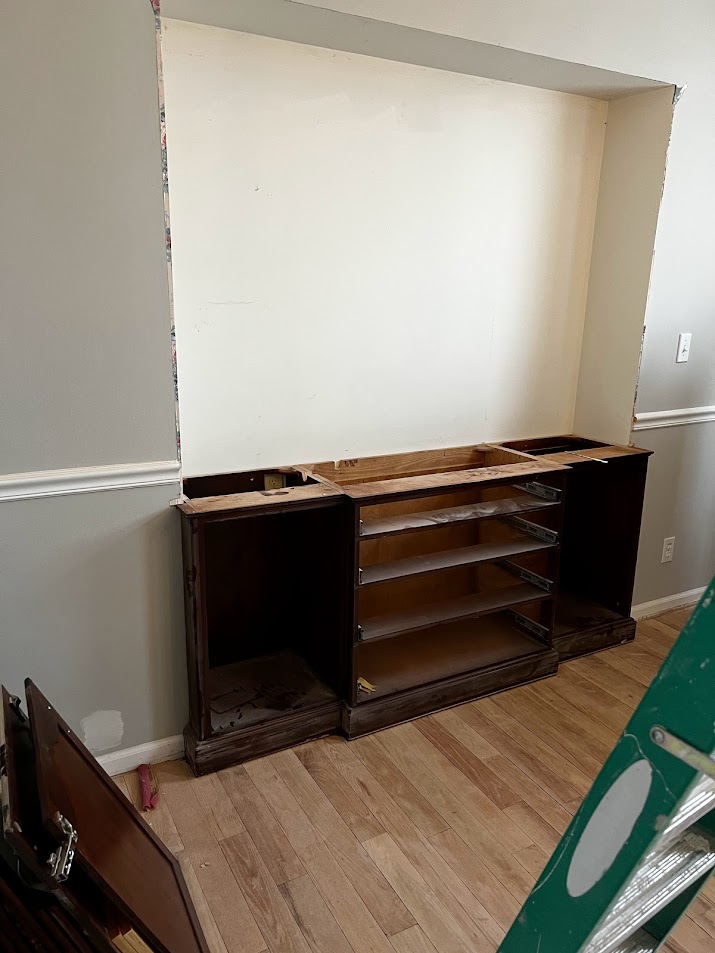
(274,481)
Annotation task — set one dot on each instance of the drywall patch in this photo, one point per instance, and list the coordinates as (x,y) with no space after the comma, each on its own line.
(102,730)
(609,828)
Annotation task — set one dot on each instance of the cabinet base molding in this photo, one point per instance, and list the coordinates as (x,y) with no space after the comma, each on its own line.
(375,715)
(228,748)
(595,639)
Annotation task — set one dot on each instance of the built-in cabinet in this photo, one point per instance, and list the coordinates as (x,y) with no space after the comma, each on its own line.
(352,595)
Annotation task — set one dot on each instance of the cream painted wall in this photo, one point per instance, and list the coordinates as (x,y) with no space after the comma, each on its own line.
(632,174)
(671,41)
(369,255)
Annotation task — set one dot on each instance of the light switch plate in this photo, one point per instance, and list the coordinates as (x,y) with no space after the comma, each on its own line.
(683,348)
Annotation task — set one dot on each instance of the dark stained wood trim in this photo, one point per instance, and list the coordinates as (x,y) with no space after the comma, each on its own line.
(595,639)
(373,716)
(232,747)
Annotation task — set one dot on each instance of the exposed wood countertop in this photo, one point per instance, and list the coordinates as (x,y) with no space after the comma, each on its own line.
(257,499)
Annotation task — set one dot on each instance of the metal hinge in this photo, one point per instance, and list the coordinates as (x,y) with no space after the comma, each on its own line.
(60,860)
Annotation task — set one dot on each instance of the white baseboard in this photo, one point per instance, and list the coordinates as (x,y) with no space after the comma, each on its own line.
(679,599)
(153,752)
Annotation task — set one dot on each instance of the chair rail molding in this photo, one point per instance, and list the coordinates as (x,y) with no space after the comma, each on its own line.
(42,483)
(655,419)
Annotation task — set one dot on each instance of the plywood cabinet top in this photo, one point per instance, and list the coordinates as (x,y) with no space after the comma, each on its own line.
(393,486)
(371,477)
(258,499)
(391,475)
(572,449)
(611,452)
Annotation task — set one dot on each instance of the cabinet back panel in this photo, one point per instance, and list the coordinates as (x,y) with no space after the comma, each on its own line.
(273,583)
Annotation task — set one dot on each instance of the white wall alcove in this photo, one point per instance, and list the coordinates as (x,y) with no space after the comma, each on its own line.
(388,240)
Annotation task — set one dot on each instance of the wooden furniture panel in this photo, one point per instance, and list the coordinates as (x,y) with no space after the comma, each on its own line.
(403,705)
(117,848)
(398,465)
(112,878)
(413,520)
(434,570)
(440,572)
(430,654)
(449,559)
(225,493)
(452,610)
(263,580)
(602,517)
(26,844)
(387,488)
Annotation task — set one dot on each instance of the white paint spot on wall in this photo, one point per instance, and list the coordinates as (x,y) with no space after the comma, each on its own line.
(609,828)
(102,730)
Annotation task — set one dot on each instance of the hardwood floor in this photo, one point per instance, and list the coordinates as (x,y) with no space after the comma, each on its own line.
(424,838)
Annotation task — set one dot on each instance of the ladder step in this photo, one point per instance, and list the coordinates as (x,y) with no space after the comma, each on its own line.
(640,942)
(698,802)
(665,873)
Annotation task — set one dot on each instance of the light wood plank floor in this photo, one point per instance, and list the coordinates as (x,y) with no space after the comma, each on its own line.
(425,838)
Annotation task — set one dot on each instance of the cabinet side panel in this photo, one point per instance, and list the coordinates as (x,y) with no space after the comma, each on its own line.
(194,615)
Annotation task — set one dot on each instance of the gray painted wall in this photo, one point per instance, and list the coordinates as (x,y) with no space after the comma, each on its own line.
(680,502)
(85,366)
(92,607)
(90,601)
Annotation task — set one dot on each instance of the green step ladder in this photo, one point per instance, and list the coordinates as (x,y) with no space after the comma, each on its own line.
(642,844)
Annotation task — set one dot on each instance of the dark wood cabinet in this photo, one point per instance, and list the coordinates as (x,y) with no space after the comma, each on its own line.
(599,547)
(263,579)
(352,595)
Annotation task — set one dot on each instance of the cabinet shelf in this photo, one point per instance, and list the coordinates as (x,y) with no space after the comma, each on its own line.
(463,607)
(457,648)
(245,693)
(411,522)
(465,556)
